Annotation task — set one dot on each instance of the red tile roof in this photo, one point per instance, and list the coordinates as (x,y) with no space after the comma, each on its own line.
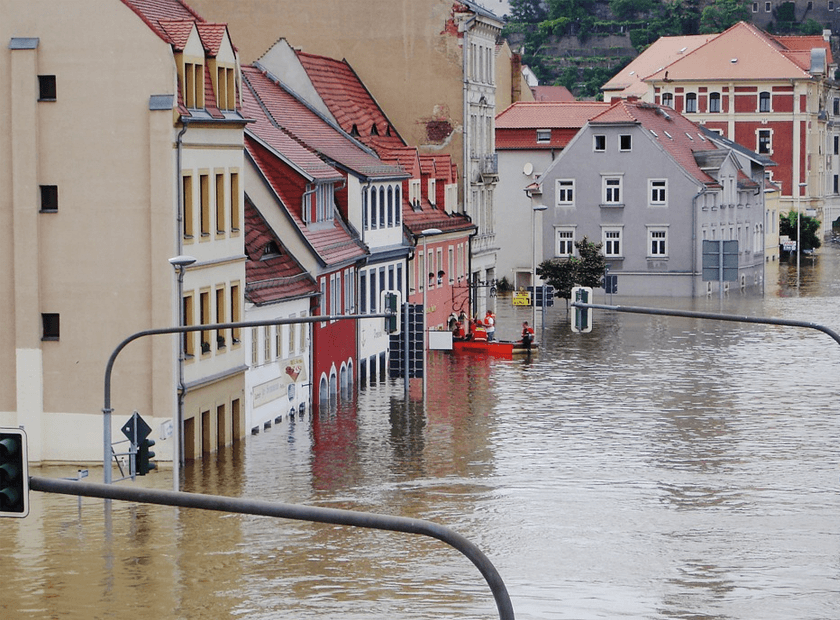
(271,278)
(333,243)
(212,36)
(743,52)
(678,136)
(552,93)
(305,125)
(349,101)
(544,115)
(153,12)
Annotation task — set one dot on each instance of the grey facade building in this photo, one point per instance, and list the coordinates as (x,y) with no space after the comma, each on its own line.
(651,186)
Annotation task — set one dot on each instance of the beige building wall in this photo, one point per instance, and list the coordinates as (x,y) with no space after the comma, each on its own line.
(407,53)
(98,261)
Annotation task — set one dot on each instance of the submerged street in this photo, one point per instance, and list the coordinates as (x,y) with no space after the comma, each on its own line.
(656,468)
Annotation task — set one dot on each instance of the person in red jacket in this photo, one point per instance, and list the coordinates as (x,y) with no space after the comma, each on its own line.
(527,335)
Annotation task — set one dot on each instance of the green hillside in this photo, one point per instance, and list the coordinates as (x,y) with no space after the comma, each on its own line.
(581,44)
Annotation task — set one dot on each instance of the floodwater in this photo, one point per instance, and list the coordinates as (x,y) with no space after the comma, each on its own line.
(656,468)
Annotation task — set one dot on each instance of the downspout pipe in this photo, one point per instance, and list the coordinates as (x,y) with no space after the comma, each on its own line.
(694,248)
(177,459)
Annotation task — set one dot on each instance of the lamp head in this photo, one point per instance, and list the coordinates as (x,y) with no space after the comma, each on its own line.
(182,261)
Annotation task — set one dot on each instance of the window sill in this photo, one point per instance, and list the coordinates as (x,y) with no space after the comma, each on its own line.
(608,257)
(612,205)
(48,211)
(50,339)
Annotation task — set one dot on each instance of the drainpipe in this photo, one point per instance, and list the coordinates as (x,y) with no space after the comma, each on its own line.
(178,455)
(466,121)
(694,247)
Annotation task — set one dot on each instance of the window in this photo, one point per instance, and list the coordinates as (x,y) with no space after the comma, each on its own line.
(658,242)
(225,88)
(836,184)
(600,143)
(373,194)
(235,313)
(625,142)
(612,242)
(220,203)
(234,202)
(187,206)
(46,88)
(432,197)
(193,85)
(318,203)
(292,329)
(565,191)
(254,346)
(767,7)
(382,207)
(755,7)
(668,100)
(204,319)
(612,190)
(267,343)
(390,207)
(564,242)
(398,204)
(51,326)
(837,145)
(414,192)
(365,214)
(764,101)
(187,321)
(362,292)
(714,102)
(220,317)
(830,5)
(658,191)
(764,141)
(204,203)
(543,136)
(691,102)
(49,198)
(836,106)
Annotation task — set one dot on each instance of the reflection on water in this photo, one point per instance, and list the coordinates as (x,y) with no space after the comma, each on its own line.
(656,468)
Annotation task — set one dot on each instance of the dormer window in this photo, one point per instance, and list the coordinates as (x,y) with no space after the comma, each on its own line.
(318,203)
(373,130)
(193,85)
(543,136)
(271,250)
(225,88)
(414,193)
(354,131)
(433,191)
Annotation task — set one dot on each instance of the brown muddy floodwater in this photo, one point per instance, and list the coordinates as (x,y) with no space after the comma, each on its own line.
(656,468)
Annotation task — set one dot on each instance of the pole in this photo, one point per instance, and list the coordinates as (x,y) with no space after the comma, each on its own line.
(291,511)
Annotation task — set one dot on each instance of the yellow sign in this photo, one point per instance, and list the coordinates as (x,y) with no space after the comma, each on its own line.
(522,298)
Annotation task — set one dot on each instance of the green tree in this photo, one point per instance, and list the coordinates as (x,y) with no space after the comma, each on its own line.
(585,269)
(809,227)
(723,14)
(526,11)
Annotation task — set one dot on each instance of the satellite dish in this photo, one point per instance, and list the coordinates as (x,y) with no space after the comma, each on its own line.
(528,169)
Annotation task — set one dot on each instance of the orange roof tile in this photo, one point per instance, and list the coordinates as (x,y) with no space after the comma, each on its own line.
(678,136)
(743,52)
(552,93)
(544,115)
(153,12)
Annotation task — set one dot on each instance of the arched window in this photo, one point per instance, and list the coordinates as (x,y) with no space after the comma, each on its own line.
(365,215)
(381,207)
(764,101)
(397,204)
(390,206)
(668,100)
(373,219)
(714,102)
(691,102)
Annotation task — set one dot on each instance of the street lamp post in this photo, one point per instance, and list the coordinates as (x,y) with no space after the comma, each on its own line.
(535,206)
(180,263)
(426,233)
(798,229)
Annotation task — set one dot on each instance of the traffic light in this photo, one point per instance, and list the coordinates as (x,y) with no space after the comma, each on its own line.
(14,473)
(144,456)
(391,305)
(582,317)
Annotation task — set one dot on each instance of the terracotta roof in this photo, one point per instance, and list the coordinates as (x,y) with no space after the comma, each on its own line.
(678,136)
(309,128)
(552,93)
(427,216)
(333,243)
(349,101)
(743,52)
(661,53)
(271,278)
(178,31)
(212,36)
(153,12)
(544,115)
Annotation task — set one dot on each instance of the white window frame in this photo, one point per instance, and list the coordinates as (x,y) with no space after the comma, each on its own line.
(758,134)
(657,242)
(621,139)
(718,99)
(693,107)
(565,192)
(768,99)
(543,136)
(668,100)
(564,245)
(610,236)
(599,137)
(610,184)
(658,192)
